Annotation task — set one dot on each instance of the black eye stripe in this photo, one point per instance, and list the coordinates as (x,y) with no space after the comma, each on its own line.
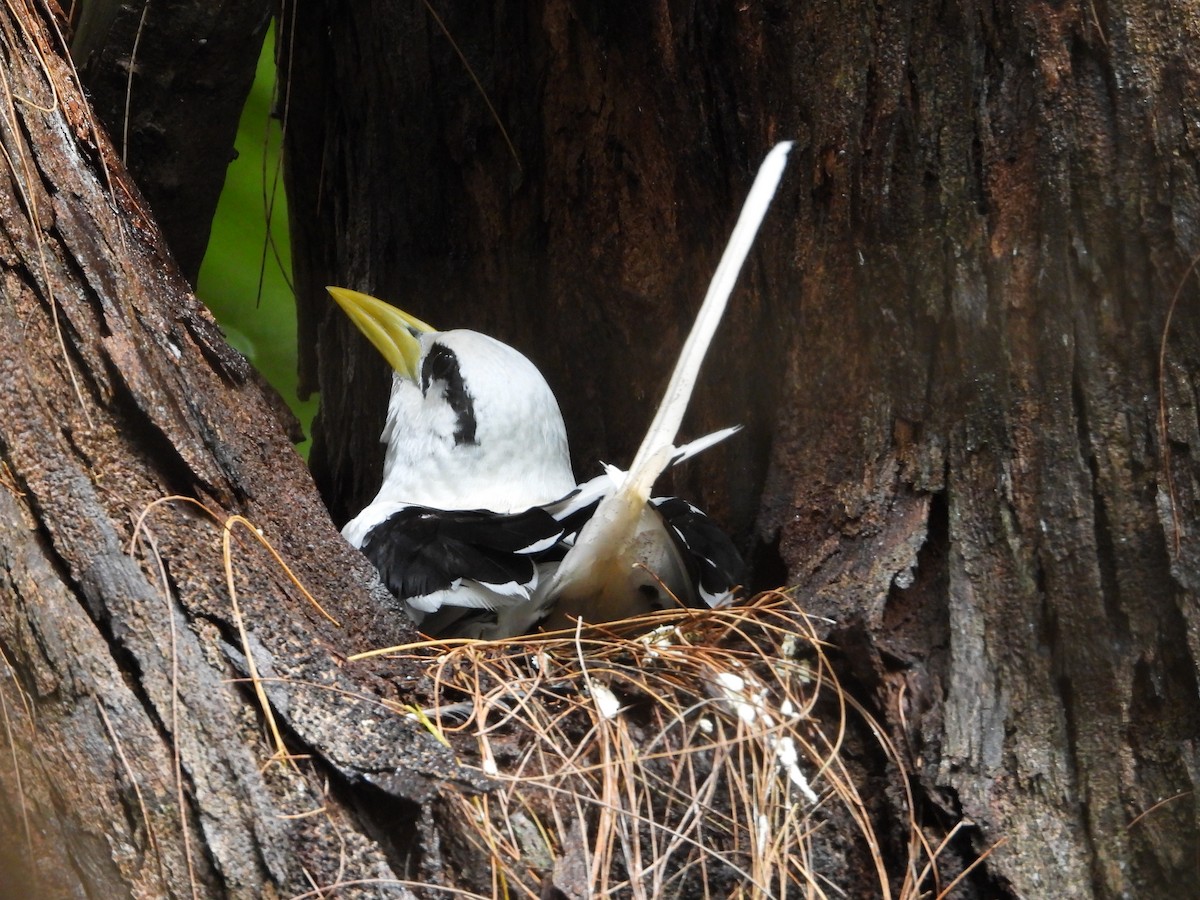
(441,365)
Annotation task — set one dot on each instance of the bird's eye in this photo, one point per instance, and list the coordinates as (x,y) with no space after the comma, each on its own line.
(441,366)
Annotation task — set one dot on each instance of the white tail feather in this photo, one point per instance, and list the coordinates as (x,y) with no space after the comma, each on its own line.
(611,527)
(665,427)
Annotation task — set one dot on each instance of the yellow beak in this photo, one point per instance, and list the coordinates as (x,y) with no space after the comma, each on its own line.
(392,331)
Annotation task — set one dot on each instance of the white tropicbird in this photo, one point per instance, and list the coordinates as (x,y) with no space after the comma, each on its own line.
(479,526)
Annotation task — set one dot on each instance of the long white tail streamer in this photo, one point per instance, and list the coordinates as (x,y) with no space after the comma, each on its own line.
(666,422)
(619,511)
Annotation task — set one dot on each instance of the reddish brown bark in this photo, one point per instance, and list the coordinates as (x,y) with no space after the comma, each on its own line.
(946,350)
(965,352)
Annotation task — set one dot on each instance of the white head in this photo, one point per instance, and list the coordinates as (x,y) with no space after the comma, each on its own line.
(471,423)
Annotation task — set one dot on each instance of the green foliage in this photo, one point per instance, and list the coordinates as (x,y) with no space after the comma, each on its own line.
(245,280)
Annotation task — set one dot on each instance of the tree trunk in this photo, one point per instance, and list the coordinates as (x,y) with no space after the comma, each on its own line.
(136,758)
(169,81)
(965,351)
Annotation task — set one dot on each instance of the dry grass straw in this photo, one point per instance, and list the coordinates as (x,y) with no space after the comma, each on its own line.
(683,754)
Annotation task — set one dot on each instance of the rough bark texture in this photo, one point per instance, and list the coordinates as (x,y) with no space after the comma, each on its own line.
(135,759)
(960,442)
(169,81)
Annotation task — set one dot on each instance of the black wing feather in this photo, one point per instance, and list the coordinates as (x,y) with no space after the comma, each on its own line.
(573,521)
(712,560)
(420,550)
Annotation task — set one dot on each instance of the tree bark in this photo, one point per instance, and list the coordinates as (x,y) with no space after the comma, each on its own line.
(136,758)
(965,351)
(169,82)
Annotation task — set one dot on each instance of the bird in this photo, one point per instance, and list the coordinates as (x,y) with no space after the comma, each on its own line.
(479,526)
(478,501)
(476,448)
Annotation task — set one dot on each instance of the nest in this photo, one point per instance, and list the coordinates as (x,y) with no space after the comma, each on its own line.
(682,754)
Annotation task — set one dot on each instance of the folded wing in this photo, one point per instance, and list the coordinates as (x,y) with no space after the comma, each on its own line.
(465,571)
